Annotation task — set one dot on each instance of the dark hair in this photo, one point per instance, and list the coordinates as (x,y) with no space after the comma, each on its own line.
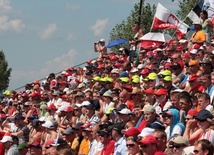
(185,95)
(205,145)
(205,13)
(204,95)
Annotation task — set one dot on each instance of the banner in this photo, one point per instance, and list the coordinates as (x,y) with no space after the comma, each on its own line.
(209,6)
(194,14)
(164,19)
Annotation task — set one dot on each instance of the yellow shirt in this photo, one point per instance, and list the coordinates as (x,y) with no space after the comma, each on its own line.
(84,147)
(199,36)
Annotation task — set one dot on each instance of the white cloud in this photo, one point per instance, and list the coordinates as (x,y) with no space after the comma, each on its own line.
(48,32)
(20,77)
(5,6)
(99,26)
(7,24)
(72,6)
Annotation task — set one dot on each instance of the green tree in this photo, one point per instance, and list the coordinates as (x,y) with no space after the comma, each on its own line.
(185,7)
(124,30)
(4,72)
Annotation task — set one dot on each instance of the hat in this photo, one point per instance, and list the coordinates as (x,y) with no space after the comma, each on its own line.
(145,132)
(81,85)
(192,112)
(120,107)
(206,61)
(91,106)
(102,40)
(127,87)
(48,143)
(149,91)
(117,64)
(136,90)
(69,131)
(204,114)
(167,65)
(136,80)
(78,126)
(115,70)
(119,126)
(33,116)
(42,119)
(140,66)
(133,70)
(114,58)
(124,111)
(124,79)
(175,66)
(22,146)
(131,132)
(85,103)
(105,124)
(121,49)
(6,139)
(101,66)
(96,78)
(56,93)
(144,71)
(193,62)
(178,90)
(149,139)
(152,76)
(157,125)
(197,22)
(35,144)
(180,140)
(58,141)
(148,108)
(35,123)
(18,117)
(161,91)
(48,124)
(79,94)
(166,73)
(68,109)
(123,74)
(108,94)
(167,78)
(193,77)
(51,107)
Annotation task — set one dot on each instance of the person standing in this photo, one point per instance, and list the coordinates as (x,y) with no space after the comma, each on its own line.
(100,47)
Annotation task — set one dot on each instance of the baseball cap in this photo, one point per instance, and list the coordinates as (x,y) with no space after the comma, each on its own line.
(102,40)
(131,132)
(6,139)
(148,108)
(133,70)
(85,103)
(105,124)
(180,140)
(119,126)
(203,115)
(193,63)
(149,91)
(78,126)
(58,142)
(167,78)
(149,139)
(18,117)
(35,122)
(152,76)
(124,111)
(144,71)
(120,107)
(192,112)
(115,70)
(69,131)
(33,116)
(161,91)
(145,132)
(108,93)
(51,107)
(22,146)
(48,124)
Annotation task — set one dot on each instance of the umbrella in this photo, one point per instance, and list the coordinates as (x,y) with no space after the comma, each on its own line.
(154,39)
(116,42)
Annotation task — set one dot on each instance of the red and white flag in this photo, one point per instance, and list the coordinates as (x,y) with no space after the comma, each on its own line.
(164,19)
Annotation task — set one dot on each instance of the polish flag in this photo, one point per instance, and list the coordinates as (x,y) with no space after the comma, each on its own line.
(164,19)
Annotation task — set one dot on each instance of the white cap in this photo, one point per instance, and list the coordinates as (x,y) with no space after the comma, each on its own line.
(146,131)
(64,72)
(197,22)
(193,51)
(102,40)
(140,66)
(62,108)
(48,124)
(125,111)
(77,105)
(85,103)
(42,118)
(115,70)
(133,70)
(6,139)
(121,49)
(178,90)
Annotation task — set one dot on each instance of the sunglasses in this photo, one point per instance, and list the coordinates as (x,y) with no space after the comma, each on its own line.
(130,145)
(143,146)
(175,146)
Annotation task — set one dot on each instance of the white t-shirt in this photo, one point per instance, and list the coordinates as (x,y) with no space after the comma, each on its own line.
(209,135)
(176,131)
(159,110)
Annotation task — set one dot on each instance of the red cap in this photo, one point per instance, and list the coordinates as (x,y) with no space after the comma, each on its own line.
(179,48)
(193,77)
(2,116)
(69,109)
(167,65)
(117,64)
(101,66)
(192,112)
(86,125)
(148,140)
(34,94)
(53,83)
(144,71)
(89,61)
(161,91)
(51,107)
(186,55)
(149,91)
(71,69)
(114,57)
(196,46)
(128,88)
(132,132)
(123,59)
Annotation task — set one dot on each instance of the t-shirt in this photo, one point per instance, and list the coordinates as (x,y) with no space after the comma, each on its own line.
(199,36)
(108,149)
(84,147)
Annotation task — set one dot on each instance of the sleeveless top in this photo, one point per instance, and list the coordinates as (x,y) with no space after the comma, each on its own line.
(205,27)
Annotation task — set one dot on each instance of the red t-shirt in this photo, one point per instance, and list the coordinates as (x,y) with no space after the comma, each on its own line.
(108,149)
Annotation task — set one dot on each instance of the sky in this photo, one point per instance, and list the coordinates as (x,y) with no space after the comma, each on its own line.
(39,37)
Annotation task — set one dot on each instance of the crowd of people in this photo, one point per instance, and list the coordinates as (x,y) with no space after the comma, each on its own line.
(128,102)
